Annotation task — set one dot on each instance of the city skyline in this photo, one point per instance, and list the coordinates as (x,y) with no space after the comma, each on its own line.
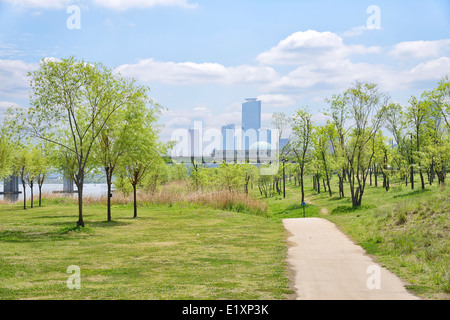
(200,66)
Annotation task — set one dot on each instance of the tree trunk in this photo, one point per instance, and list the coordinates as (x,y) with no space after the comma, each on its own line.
(318,184)
(341,186)
(109,201)
(376,176)
(301,183)
(80,222)
(40,194)
(431,173)
(421,178)
(24,194)
(108,172)
(31,194)
(135,201)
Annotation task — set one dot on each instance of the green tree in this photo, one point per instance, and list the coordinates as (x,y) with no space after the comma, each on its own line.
(71,103)
(417,114)
(302,127)
(117,134)
(365,107)
(22,164)
(144,151)
(338,132)
(6,156)
(323,152)
(41,165)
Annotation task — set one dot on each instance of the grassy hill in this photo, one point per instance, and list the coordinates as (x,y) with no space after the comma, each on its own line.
(407,231)
(212,246)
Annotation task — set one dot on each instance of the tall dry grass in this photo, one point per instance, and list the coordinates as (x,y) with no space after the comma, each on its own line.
(176,192)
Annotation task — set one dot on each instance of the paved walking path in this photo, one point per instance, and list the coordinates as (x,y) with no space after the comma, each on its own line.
(326,264)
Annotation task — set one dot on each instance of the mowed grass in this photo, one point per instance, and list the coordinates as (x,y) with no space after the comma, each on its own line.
(168,252)
(407,231)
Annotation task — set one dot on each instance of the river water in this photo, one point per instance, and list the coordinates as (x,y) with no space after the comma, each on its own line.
(90,189)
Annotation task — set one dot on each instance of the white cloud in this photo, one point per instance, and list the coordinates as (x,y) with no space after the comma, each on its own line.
(421,49)
(111,4)
(433,69)
(14,78)
(184,73)
(340,74)
(307,47)
(6,104)
(320,118)
(355,31)
(45,4)
(128,4)
(276,100)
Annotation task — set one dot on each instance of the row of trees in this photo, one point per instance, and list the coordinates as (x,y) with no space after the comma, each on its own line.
(82,117)
(353,146)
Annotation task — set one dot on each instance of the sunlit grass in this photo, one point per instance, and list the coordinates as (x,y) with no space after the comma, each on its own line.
(177,251)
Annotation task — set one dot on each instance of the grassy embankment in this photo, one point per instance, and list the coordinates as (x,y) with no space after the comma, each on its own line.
(407,231)
(213,245)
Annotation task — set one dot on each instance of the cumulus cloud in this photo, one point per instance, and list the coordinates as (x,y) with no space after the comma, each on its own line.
(14,78)
(355,31)
(340,74)
(421,49)
(308,47)
(277,100)
(181,73)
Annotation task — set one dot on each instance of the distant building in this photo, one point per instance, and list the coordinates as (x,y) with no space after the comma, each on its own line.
(251,122)
(228,137)
(265,135)
(11,184)
(194,143)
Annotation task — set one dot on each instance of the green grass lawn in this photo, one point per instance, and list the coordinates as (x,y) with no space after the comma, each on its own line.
(168,252)
(188,251)
(407,231)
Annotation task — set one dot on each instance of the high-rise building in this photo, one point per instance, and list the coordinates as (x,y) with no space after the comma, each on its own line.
(228,137)
(251,121)
(194,143)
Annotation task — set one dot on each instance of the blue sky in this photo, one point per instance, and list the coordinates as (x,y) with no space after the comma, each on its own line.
(203,58)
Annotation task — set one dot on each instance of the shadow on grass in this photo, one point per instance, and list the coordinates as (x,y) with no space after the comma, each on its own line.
(412,193)
(23,237)
(349,209)
(107,224)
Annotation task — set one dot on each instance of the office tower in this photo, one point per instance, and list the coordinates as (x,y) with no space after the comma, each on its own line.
(194,143)
(251,121)
(265,135)
(228,140)
(11,184)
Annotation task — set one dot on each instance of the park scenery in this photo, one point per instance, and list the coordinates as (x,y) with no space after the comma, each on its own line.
(325,162)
